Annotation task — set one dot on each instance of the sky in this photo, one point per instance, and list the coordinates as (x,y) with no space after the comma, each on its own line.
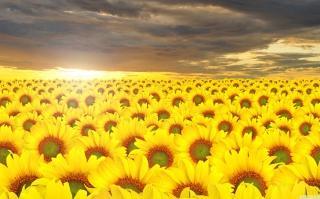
(211,38)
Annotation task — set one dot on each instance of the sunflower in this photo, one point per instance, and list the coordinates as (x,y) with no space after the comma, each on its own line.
(34,106)
(74,169)
(266,118)
(128,131)
(124,98)
(71,99)
(158,147)
(137,111)
(71,116)
(299,190)
(220,191)
(10,143)
(49,139)
(198,96)
(107,121)
(245,99)
(247,190)
(297,99)
(12,109)
(308,145)
(99,145)
(306,170)
(186,110)
(110,106)
(25,96)
(249,166)
(20,172)
(235,141)
(231,93)
(195,142)
(305,125)
(55,189)
(252,127)
(313,98)
(162,108)
(201,120)
(5,97)
(224,123)
(284,109)
(47,98)
(309,109)
(152,122)
(54,110)
(279,144)
(176,98)
(263,97)
(235,110)
(142,98)
(90,97)
(24,121)
(195,177)
(283,124)
(207,109)
(85,124)
(156,93)
(133,174)
(58,93)
(220,98)
(6,120)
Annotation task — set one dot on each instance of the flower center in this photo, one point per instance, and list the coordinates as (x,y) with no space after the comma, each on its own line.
(57,114)
(85,129)
(250,130)
(285,129)
(315,101)
(160,155)
(5,148)
(25,99)
(129,183)
(45,101)
(305,128)
(313,182)
(163,114)
(23,181)
(175,129)
(108,125)
(263,100)
(50,147)
(176,101)
(125,102)
(4,101)
(90,100)
(72,103)
(143,101)
(155,96)
(129,143)
(298,102)
(76,182)
(249,177)
(28,124)
(225,126)
(282,154)
(245,103)
(199,150)
(274,90)
(97,151)
(315,153)
(196,188)
(284,113)
(208,114)
(198,99)
(217,101)
(139,116)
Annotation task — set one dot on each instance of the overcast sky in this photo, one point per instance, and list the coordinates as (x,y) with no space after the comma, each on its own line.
(228,38)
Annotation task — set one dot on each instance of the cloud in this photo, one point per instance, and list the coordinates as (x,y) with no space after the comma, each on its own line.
(160,35)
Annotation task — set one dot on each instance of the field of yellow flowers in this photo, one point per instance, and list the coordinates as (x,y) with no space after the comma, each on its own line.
(164,139)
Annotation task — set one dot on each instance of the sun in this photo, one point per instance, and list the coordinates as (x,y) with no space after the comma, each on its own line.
(85,74)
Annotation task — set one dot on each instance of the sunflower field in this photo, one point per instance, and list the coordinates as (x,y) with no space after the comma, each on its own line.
(159,138)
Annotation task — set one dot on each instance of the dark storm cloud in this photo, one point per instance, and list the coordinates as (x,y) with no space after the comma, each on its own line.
(178,34)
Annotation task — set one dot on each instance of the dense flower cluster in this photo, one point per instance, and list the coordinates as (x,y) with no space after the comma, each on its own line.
(149,138)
